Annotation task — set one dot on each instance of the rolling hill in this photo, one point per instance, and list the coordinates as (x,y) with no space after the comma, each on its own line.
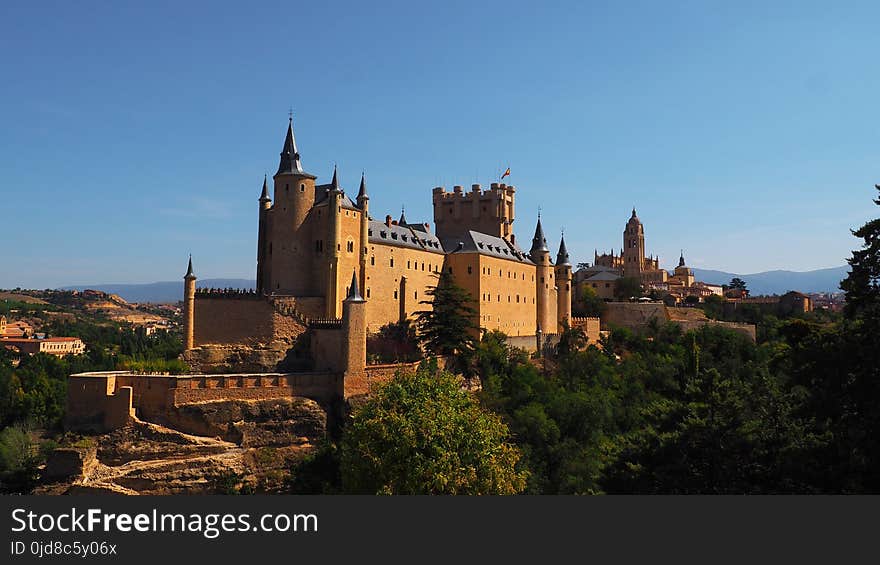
(768,282)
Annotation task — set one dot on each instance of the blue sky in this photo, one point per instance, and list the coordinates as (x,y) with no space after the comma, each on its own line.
(132,134)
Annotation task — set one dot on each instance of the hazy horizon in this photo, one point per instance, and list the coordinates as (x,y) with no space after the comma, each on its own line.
(744,134)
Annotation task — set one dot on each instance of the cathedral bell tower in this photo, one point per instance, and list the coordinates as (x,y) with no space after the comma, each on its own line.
(633,247)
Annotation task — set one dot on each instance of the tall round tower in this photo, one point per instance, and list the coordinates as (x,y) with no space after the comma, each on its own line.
(262,237)
(288,245)
(563,285)
(544,285)
(363,202)
(189,299)
(334,246)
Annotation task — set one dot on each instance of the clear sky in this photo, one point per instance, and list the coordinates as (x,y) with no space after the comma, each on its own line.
(132,134)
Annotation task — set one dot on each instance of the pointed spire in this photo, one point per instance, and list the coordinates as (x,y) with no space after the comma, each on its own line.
(334,184)
(634,212)
(402,220)
(354,294)
(562,257)
(681,259)
(362,191)
(539,242)
(189,269)
(290,162)
(265,196)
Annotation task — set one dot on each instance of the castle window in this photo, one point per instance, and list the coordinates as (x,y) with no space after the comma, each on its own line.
(395,295)
(287,188)
(302,188)
(508,298)
(372,260)
(350,246)
(392,264)
(407,265)
(423,266)
(517,299)
(542,279)
(416,294)
(499,298)
(450,270)
(319,246)
(368,293)
(383,234)
(469,270)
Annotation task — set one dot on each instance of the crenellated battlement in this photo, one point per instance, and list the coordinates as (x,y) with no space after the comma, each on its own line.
(487,211)
(231,293)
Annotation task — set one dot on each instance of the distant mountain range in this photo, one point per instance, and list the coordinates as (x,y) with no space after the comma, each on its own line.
(780,282)
(769,282)
(161,292)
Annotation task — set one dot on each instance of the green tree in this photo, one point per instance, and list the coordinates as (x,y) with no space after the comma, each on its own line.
(589,303)
(448,328)
(627,287)
(422,434)
(862,284)
(737,283)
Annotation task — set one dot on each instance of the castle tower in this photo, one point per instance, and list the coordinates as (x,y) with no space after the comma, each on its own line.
(334,209)
(563,285)
(633,247)
(262,236)
(354,327)
(189,299)
(540,255)
(290,262)
(363,202)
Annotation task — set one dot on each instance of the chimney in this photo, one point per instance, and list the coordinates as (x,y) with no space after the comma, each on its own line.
(388,220)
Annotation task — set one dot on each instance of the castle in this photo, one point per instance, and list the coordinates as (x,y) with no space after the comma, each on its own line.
(313,239)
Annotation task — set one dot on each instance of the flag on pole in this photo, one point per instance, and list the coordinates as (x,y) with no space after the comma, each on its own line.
(506,173)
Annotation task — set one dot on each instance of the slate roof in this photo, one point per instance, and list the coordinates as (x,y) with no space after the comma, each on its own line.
(401,236)
(484,244)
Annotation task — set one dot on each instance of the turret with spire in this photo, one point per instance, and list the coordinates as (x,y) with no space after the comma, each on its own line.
(363,202)
(262,236)
(539,242)
(563,285)
(189,296)
(282,266)
(545,287)
(334,244)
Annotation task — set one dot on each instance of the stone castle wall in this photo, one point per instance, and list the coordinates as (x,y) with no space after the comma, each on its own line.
(246,318)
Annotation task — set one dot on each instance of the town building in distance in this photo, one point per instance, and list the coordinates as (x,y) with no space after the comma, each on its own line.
(631,262)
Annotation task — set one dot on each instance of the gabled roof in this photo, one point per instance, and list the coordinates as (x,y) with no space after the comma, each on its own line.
(403,236)
(603,276)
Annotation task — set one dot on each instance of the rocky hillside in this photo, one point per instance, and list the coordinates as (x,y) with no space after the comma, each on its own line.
(248,447)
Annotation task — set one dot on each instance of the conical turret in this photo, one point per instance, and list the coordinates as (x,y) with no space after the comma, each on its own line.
(362,192)
(354,294)
(562,257)
(290,162)
(264,197)
(189,269)
(539,242)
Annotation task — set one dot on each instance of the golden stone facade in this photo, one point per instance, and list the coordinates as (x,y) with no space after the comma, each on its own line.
(313,237)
